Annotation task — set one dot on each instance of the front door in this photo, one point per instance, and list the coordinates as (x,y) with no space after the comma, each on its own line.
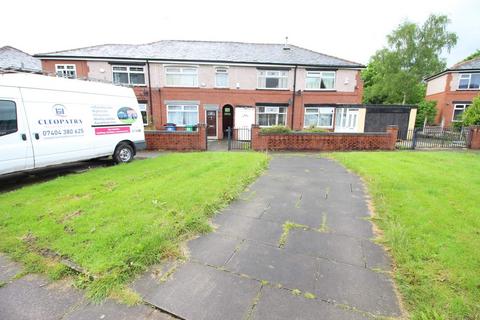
(346,120)
(227,116)
(211,123)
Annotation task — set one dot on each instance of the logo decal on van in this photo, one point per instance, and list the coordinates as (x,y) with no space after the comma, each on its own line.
(127,115)
(60,110)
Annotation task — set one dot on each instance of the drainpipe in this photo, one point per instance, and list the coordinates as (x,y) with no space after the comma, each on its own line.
(150,111)
(293,94)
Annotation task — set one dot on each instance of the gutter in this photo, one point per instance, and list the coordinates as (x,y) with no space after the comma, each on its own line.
(150,104)
(293,95)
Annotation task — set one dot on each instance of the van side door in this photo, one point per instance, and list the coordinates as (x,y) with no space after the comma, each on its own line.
(16,152)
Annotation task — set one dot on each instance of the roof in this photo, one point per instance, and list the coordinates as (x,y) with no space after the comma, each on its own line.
(28,80)
(14,59)
(469,65)
(208,51)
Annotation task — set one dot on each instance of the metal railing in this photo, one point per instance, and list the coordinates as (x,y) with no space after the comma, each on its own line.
(434,138)
(239,138)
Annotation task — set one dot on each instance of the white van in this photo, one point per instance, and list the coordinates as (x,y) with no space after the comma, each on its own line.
(46,121)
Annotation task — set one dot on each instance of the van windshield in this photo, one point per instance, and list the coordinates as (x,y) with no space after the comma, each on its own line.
(8,117)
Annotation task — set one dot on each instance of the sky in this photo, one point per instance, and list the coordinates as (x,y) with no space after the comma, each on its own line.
(350,29)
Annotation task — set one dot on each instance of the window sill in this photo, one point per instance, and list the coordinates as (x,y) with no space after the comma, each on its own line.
(196,87)
(468,89)
(320,90)
(273,89)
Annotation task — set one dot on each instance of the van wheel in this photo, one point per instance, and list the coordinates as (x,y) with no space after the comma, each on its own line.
(123,153)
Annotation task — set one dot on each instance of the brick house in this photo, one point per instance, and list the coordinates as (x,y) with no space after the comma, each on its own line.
(225,84)
(454,90)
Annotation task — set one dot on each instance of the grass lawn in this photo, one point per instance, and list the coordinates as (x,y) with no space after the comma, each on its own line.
(113,222)
(428,206)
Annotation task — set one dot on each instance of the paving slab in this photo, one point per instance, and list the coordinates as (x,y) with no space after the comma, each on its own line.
(248,228)
(110,310)
(375,256)
(359,227)
(326,245)
(281,304)
(200,292)
(357,287)
(8,269)
(213,249)
(32,297)
(277,266)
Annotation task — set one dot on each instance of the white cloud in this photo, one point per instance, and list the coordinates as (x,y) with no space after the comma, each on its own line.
(350,29)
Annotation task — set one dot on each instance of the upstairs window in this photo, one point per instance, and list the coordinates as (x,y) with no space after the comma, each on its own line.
(181,76)
(458,110)
(272,79)
(320,80)
(221,77)
(321,117)
(469,81)
(66,71)
(130,75)
(271,116)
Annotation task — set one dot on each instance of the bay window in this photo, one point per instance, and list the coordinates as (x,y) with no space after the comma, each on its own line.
(321,117)
(320,80)
(272,79)
(221,77)
(130,75)
(181,76)
(469,81)
(182,115)
(271,116)
(458,110)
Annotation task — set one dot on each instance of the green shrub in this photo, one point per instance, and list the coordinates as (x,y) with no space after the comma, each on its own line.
(313,129)
(471,116)
(276,129)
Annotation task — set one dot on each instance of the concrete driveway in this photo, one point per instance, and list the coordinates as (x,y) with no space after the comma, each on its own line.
(297,245)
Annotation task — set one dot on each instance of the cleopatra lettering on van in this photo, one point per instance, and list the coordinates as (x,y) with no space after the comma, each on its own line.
(60,125)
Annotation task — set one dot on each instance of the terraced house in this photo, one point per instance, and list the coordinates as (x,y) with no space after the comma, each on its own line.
(454,89)
(225,84)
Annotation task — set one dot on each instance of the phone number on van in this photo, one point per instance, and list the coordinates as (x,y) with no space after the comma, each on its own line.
(63,132)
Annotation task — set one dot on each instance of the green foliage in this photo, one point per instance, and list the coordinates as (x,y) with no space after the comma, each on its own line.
(314,129)
(426,204)
(395,73)
(276,129)
(474,55)
(426,110)
(114,222)
(471,116)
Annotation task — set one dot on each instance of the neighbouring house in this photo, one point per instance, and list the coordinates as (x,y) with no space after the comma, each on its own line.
(228,84)
(14,60)
(454,89)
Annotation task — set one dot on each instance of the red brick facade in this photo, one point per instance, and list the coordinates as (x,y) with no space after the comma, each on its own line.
(324,141)
(446,101)
(177,141)
(81,66)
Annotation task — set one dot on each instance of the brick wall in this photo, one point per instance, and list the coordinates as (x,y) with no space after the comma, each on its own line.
(177,140)
(474,142)
(325,141)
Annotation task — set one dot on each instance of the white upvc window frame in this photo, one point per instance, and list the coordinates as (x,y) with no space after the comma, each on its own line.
(129,70)
(467,76)
(170,70)
(62,70)
(222,71)
(321,75)
(270,110)
(143,106)
(183,110)
(282,76)
(318,113)
(459,106)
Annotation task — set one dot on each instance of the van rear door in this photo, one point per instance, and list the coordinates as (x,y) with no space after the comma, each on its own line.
(16,153)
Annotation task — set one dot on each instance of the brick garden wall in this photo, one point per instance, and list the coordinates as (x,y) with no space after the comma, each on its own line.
(328,141)
(177,140)
(474,142)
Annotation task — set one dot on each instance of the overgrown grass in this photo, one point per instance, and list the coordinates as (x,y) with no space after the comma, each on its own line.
(428,206)
(114,222)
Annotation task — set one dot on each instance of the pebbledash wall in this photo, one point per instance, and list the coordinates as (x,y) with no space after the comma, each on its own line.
(328,141)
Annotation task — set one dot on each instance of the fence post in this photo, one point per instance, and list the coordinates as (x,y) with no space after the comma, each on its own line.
(229,138)
(414,139)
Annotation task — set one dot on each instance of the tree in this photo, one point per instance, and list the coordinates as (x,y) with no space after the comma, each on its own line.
(426,112)
(474,55)
(395,73)
(471,116)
